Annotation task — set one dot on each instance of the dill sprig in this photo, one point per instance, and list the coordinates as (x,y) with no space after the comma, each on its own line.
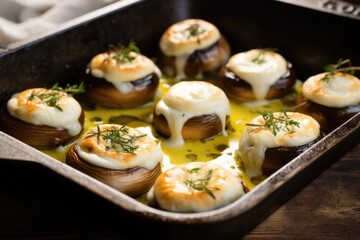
(124,54)
(118,139)
(201,183)
(275,124)
(51,96)
(342,66)
(260,58)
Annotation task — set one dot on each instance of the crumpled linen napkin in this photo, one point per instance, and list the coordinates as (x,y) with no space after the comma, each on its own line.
(20,19)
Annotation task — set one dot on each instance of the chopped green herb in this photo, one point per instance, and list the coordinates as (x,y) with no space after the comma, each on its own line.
(260,58)
(118,139)
(212,155)
(124,54)
(342,66)
(194,30)
(191,156)
(194,170)
(52,96)
(275,124)
(70,89)
(96,120)
(221,147)
(201,183)
(123,119)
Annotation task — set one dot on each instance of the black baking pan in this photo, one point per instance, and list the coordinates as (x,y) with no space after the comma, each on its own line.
(309,38)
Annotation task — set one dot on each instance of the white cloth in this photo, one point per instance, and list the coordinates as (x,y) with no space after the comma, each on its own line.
(20,19)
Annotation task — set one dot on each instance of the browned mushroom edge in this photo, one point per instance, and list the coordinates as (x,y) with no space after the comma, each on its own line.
(102,92)
(241,91)
(329,118)
(133,182)
(207,61)
(38,136)
(196,128)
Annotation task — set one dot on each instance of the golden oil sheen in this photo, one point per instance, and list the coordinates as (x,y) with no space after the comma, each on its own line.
(220,149)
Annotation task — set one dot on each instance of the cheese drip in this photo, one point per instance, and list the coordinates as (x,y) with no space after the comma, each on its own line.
(183,38)
(341,90)
(186,100)
(94,150)
(255,140)
(37,112)
(173,190)
(260,68)
(120,74)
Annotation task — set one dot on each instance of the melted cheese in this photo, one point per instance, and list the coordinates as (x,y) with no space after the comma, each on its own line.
(173,191)
(188,99)
(147,155)
(340,91)
(37,112)
(177,41)
(180,63)
(260,75)
(121,74)
(255,140)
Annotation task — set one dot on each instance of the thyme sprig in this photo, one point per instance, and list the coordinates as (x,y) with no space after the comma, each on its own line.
(342,66)
(260,58)
(201,183)
(124,54)
(52,96)
(275,124)
(118,139)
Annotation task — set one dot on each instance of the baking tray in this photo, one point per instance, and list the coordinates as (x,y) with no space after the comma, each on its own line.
(309,38)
